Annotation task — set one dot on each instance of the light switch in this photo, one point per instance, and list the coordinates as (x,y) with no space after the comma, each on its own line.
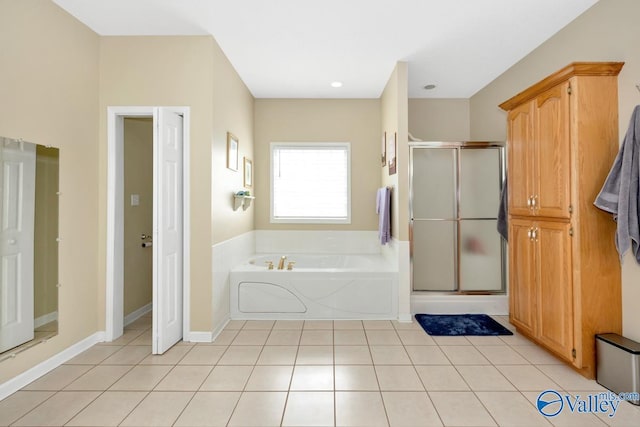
(135,199)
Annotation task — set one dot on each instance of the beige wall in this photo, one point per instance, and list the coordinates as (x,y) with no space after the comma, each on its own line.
(232,112)
(45,253)
(186,71)
(138,179)
(49,90)
(439,119)
(609,31)
(394,109)
(166,71)
(321,120)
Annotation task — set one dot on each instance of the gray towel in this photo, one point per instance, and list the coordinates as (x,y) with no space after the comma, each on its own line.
(620,193)
(503,211)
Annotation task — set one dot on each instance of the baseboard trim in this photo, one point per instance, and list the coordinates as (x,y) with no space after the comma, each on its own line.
(16,383)
(220,328)
(45,318)
(460,304)
(135,315)
(200,336)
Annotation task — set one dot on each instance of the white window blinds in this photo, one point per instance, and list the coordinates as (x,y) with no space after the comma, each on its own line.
(310,182)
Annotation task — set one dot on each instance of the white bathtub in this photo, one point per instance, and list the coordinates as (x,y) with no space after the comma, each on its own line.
(318,287)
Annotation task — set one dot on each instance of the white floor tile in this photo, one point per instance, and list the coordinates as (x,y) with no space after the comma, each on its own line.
(259,409)
(484,378)
(356,377)
(278,355)
(19,403)
(270,378)
(312,378)
(227,378)
(398,378)
(58,409)
(352,355)
(441,378)
(527,378)
(159,408)
(315,355)
(410,409)
(109,409)
(461,409)
(360,408)
(462,355)
(209,409)
(306,408)
(511,408)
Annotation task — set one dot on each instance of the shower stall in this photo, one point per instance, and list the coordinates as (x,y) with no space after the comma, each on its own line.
(454,200)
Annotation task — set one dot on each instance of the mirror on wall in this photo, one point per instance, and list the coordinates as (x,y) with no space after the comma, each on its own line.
(28,244)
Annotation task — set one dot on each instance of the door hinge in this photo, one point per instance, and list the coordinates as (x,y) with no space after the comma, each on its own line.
(570,208)
(571,231)
(569,90)
(573,353)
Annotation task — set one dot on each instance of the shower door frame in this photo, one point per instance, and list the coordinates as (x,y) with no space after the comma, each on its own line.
(458,146)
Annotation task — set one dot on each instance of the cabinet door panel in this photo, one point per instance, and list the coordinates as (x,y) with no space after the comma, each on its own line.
(555,293)
(522,301)
(520,156)
(552,174)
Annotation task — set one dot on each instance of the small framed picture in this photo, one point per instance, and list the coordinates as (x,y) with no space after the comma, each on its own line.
(248,173)
(391,150)
(232,151)
(384,149)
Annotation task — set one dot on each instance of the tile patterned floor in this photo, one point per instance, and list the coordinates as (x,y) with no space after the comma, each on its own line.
(313,373)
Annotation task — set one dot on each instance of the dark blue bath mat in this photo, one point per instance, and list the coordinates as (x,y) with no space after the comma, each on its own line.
(460,324)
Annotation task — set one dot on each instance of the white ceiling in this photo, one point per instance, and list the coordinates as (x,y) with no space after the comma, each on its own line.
(296,48)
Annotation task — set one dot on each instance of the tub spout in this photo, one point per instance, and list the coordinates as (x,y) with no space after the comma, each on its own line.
(281,263)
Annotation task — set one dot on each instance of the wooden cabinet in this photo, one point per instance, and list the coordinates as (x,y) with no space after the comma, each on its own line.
(541,302)
(564,271)
(539,155)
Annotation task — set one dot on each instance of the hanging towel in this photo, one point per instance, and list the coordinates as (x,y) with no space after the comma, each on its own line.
(503,211)
(383,209)
(619,195)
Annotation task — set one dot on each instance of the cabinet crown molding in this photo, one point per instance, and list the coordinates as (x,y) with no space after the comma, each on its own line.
(571,70)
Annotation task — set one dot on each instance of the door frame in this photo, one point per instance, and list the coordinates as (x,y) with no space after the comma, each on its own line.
(114,304)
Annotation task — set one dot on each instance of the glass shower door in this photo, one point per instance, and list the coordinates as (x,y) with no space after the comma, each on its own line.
(434,231)
(480,254)
(455,194)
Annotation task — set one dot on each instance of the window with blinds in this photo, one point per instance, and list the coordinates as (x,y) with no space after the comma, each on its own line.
(310,183)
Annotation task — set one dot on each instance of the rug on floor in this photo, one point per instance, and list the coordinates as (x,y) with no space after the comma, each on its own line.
(460,324)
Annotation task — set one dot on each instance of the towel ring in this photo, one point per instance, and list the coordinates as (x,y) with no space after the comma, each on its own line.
(638,87)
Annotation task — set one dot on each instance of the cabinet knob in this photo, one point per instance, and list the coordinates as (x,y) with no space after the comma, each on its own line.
(529,202)
(534,201)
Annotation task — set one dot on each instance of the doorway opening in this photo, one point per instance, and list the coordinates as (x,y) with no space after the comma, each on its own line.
(168,239)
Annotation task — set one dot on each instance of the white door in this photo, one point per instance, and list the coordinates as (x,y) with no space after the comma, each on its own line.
(18,184)
(167,230)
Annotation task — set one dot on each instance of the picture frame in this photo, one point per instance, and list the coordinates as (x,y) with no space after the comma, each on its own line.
(232,151)
(384,149)
(248,173)
(392,152)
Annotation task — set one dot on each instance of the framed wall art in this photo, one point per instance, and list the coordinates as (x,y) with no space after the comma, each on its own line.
(232,151)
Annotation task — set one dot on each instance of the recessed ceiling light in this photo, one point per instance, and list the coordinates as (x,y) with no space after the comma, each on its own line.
(336,84)
(429,87)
